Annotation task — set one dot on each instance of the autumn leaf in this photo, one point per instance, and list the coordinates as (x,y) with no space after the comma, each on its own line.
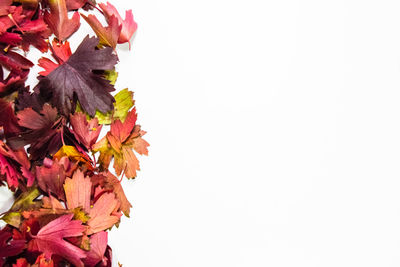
(35,33)
(108,182)
(109,35)
(75,4)
(75,77)
(123,103)
(86,132)
(103,214)
(14,61)
(77,191)
(71,152)
(14,166)
(13,83)
(98,246)
(50,239)
(21,263)
(41,261)
(118,144)
(43,131)
(129,26)
(61,52)
(51,177)
(25,201)
(9,247)
(8,120)
(58,20)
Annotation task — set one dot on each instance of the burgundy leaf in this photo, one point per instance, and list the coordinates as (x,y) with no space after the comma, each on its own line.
(76,77)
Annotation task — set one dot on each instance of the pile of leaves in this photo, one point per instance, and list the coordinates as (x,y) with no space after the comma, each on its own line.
(66,197)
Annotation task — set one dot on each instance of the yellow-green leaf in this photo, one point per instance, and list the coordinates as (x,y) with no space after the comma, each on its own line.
(25,201)
(123,103)
(111,75)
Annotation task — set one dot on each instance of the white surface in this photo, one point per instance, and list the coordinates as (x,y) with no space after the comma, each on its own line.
(274,131)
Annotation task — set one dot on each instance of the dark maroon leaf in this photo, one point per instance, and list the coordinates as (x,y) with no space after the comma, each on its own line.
(75,79)
(43,132)
(9,247)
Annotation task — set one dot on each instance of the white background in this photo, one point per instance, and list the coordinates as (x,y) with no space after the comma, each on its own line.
(274,131)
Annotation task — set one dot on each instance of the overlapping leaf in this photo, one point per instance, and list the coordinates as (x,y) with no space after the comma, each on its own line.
(119,143)
(50,239)
(75,77)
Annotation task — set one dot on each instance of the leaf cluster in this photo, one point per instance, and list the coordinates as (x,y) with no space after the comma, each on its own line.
(66,196)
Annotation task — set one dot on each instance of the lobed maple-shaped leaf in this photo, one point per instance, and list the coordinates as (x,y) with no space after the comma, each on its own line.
(129,26)
(75,77)
(104,214)
(86,132)
(60,51)
(50,239)
(58,20)
(77,191)
(108,182)
(43,131)
(118,144)
(109,35)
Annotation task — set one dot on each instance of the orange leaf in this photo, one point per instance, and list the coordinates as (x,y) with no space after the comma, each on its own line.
(102,215)
(77,191)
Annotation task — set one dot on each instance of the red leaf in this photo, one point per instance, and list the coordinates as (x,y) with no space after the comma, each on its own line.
(9,248)
(129,26)
(61,52)
(107,182)
(58,20)
(14,61)
(51,177)
(85,131)
(118,144)
(43,131)
(107,35)
(50,239)
(21,263)
(8,119)
(98,246)
(14,165)
(10,38)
